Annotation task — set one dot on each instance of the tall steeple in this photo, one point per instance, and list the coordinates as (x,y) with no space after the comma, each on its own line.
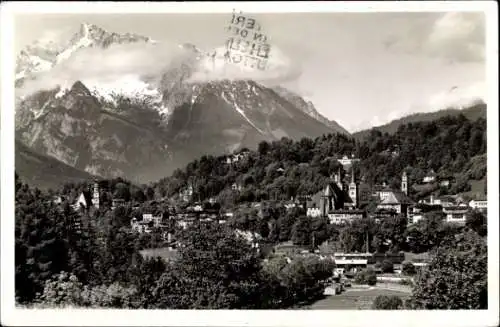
(95,195)
(353,190)
(404,183)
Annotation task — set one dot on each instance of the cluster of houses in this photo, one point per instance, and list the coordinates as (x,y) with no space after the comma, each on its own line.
(340,203)
(455,209)
(194,214)
(147,223)
(232,159)
(346,263)
(90,199)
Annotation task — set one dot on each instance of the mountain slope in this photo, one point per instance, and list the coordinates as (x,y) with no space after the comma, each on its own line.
(144,127)
(44,172)
(134,141)
(308,108)
(75,129)
(224,116)
(472,113)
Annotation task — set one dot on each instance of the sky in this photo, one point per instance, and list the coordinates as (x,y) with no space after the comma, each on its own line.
(359,69)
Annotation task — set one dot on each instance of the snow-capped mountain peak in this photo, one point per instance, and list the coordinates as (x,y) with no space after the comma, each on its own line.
(44,54)
(156,104)
(80,40)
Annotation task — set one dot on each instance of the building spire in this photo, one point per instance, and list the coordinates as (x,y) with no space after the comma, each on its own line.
(404,183)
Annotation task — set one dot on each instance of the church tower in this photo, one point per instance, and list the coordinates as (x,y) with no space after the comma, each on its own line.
(353,190)
(95,195)
(404,183)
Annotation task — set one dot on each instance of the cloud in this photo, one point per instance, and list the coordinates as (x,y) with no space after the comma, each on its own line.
(151,60)
(278,68)
(456,36)
(459,36)
(458,97)
(455,97)
(106,65)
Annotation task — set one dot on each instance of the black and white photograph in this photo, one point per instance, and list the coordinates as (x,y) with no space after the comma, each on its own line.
(249,160)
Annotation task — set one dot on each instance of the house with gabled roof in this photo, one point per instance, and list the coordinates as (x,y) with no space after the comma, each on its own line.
(84,200)
(88,198)
(397,201)
(332,197)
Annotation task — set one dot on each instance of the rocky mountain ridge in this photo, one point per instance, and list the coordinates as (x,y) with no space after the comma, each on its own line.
(147,134)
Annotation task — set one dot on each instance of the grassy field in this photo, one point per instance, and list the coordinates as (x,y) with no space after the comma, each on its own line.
(355,299)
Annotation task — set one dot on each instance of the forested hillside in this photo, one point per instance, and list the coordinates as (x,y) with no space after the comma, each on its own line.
(104,258)
(284,169)
(43,171)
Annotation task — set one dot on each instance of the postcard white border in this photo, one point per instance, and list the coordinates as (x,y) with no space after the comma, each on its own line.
(11,316)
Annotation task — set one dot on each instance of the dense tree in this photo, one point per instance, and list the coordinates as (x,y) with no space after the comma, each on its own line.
(456,277)
(215,269)
(122,192)
(300,280)
(144,277)
(476,221)
(356,236)
(139,196)
(218,269)
(408,268)
(66,291)
(301,231)
(283,169)
(430,232)
(387,266)
(41,243)
(387,302)
(366,276)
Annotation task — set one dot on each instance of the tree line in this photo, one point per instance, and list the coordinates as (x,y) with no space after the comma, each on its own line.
(99,264)
(452,146)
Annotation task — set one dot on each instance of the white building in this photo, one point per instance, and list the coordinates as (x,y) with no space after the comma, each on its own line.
(456,214)
(148,217)
(140,226)
(443,201)
(430,177)
(237,157)
(479,204)
(313,212)
(343,216)
(345,161)
(415,215)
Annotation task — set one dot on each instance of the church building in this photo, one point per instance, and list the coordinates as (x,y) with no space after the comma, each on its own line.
(336,201)
(88,199)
